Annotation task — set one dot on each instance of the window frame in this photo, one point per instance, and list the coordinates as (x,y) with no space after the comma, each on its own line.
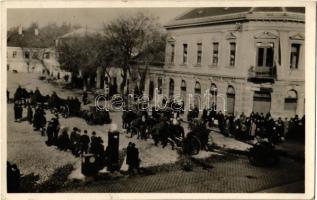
(265,46)
(14,54)
(215,53)
(298,56)
(234,55)
(185,54)
(172,58)
(199,53)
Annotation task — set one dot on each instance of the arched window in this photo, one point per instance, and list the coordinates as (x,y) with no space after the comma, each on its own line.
(171,88)
(160,85)
(230,99)
(213,97)
(230,90)
(151,90)
(213,89)
(183,91)
(183,86)
(197,99)
(197,88)
(291,101)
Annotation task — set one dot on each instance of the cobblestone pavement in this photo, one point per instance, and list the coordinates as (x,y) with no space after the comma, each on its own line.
(234,175)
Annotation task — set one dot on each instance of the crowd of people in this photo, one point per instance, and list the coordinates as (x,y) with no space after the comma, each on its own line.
(256,124)
(76,141)
(162,126)
(35,100)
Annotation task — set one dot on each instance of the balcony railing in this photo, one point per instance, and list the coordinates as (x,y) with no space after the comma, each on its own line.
(262,73)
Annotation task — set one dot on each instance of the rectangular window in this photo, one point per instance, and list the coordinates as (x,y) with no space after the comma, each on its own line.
(185,46)
(35,55)
(199,52)
(172,53)
(265,55)
(27,55)
(295,48)
(232,53)
(260,57)
(47,55)
(14,54)
(269,57)
(215,53)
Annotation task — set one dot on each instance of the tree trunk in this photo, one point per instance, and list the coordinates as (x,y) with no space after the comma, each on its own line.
(124,81)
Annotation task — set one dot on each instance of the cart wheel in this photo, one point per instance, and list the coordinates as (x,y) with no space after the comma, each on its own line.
(194,145)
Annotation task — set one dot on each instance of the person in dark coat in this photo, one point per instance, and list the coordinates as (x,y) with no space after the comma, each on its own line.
(204,116)
(84,142)
(133,160)
(30,114)
(85,97)
(56,127)
(93,143)
(39,120)
(14,179)
(10,184)
(18,93)
(75,141)
(16,111)
(142,128)
(37,95)
(64,141)
(49,132)
(129,157)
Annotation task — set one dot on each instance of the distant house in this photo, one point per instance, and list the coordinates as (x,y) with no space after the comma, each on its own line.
(25,59)
(30,54)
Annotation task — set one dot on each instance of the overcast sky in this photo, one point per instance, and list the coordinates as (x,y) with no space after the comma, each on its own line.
(92,17)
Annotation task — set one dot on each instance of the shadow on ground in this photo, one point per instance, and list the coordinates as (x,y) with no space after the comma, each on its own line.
(54,183)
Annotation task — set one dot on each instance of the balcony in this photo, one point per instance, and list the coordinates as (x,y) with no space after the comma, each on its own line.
(262,74)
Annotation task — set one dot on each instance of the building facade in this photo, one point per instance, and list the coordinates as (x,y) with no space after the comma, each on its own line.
(237,59)
(33,60)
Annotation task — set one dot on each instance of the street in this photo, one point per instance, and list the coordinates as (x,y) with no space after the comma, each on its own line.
(163,173)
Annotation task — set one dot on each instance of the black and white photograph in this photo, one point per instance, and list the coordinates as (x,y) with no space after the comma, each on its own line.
(194,99)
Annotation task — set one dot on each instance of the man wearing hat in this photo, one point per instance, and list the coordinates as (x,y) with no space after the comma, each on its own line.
(84,142)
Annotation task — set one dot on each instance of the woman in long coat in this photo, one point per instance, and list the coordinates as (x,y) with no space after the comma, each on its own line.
(30,114)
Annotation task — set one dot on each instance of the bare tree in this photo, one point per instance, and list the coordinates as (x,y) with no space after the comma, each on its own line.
(129,37)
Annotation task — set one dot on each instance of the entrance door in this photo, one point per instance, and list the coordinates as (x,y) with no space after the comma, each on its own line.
(197,95)
(151,90)
(183,92)
(262,102)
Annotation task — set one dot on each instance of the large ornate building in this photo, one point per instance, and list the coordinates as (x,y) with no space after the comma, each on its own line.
(245,59)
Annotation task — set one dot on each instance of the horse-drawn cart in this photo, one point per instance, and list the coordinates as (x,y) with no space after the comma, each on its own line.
(96,116)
